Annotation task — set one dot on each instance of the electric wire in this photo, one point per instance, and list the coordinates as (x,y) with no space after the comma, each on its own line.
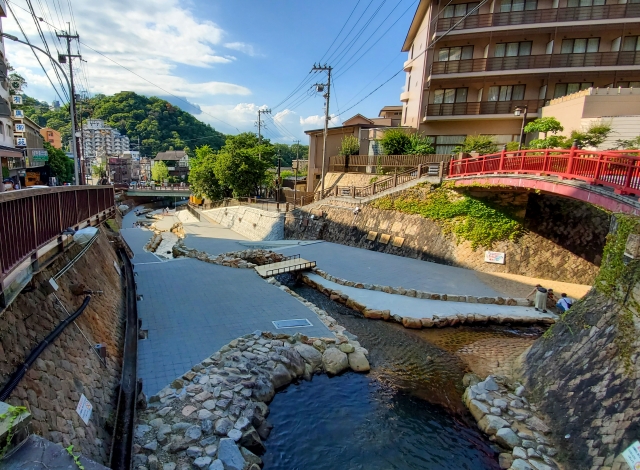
(34,53)
(338,48)
(340,32)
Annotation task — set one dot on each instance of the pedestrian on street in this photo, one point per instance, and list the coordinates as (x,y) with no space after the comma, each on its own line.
(540,299)
(564,303)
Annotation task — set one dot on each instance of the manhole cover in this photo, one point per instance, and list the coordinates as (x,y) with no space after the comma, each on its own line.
(297,323)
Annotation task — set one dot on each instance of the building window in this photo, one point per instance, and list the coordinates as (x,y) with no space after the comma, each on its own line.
(584,3)
(629,43)
(447,54)
(542,94)
(564,89)
(517,5)
(450,95)
(461,9)
(628,84)
(446,143)
(513,49)
(580,46)
(506,93)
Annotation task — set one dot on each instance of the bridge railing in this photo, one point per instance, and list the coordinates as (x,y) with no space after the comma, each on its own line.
(618,169)
(31,219)
(168,187)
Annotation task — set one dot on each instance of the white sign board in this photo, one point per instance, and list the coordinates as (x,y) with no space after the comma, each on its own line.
(21,142)
(21,128)
(16,99)
(493,257)
(84,409)
(632,456)
(18,113)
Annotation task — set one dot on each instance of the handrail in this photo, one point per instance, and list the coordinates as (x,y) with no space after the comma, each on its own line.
(617,169)
(288,269)
(32,219)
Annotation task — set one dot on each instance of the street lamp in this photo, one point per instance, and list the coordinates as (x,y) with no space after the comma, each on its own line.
(72,109)
(518,111)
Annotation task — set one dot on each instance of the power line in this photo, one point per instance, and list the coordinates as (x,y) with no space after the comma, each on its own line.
(351,30)
(340,32)
(34,53)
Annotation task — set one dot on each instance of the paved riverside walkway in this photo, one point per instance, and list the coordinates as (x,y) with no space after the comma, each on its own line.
(372,267)
(191,309)
(422,308)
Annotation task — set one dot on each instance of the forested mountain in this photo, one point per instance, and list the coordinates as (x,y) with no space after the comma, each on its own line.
(159,124)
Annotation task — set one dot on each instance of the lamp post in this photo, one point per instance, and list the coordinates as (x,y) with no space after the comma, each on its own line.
(518,111)
(71,101)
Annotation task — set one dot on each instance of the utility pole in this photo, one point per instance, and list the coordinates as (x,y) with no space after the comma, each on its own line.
(260,113)
(62,58)
(327,96)
(295,169)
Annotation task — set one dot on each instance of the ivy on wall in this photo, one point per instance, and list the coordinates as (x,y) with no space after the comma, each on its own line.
(469,218)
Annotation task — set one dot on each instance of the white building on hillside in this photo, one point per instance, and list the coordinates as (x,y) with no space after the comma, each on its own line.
(102,141)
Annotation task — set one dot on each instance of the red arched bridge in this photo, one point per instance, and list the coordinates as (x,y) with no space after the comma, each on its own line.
(609,179)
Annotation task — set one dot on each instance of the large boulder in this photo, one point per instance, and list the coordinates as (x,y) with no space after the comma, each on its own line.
(223,426)
(296,362)
(409,322)
(263,390)
(251,440)
(311,355)
(334,361)
(478,409)
(490,424)
(507,438)
(280,376)
(230,455)
(358,362)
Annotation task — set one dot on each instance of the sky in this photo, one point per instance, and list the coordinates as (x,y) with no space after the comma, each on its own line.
(224,60)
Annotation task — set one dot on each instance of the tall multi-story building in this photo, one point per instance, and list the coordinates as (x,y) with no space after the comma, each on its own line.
(102,141)
(471,64)
(52,136)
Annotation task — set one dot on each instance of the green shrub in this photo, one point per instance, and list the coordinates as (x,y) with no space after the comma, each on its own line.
(350,145)
(482,144)
(395,142)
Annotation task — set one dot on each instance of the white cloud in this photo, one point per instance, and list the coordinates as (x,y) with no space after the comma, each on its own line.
(150,37)
(242,47)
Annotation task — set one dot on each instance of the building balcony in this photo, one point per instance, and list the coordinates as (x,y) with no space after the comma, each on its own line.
(407,65)
(404,96)
(482,108)
(549,15)
(546,61)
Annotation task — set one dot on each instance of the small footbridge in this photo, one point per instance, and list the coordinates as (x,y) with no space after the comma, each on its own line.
(290,264)
(608,179)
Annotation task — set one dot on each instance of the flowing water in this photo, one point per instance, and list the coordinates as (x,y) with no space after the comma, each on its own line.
(407,413)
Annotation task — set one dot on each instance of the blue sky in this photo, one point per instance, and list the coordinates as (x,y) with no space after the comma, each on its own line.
(229,58)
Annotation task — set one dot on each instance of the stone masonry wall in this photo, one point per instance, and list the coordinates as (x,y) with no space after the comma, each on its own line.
(578,378)
(255,224)
(68,368)
(566,248)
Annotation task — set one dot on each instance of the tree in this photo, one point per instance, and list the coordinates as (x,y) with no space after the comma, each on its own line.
(544,125)
(482,144)
(288,153)
(551,142)
(632,144)
(242,164)
(592,137)
(202,176)
(350,145)
(59,165)
(395,141)
(419,145)
(159,171)
(99,170)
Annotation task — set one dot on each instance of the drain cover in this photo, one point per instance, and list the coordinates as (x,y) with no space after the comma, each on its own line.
(297,323)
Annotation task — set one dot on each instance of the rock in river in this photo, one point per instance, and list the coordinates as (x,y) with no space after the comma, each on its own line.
(334,361)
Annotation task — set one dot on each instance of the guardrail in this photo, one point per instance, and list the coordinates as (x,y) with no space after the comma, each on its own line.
(359,163)
(32,221)
(619,169)
(173,187)
(292,268)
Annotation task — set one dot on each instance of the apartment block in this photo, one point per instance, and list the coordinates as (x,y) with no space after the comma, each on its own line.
(471,64)
(52,136)
(102,141)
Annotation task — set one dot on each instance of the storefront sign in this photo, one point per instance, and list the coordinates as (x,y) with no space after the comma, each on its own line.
(84,409)
(16,99)
(632,456)
(18,113)
(21,128)
(493,257)
(40,155)
(21,142)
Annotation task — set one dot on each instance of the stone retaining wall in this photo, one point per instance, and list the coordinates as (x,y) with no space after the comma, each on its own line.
(68,367)
(563,241)
(255,224)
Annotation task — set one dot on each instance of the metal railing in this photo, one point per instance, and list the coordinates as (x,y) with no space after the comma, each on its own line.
(619,170)
(292,268)
(545,61)
(359,163)
(548,15)
(482,107)
(31,219)
(169,187)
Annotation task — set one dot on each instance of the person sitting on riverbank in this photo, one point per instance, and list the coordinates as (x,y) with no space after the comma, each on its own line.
(551,299)
(564,303)
(540,300)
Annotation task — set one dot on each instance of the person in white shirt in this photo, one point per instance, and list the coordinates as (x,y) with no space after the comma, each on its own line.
(564,303)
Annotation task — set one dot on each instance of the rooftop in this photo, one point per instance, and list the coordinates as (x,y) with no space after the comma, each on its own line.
(170,155)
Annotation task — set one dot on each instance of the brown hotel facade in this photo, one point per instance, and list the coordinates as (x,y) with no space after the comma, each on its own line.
(508,54)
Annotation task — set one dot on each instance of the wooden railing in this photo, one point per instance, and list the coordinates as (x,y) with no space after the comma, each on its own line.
(31,219)
(544,61)
(619,170)
(384,182)
(548,15)
(360,163)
